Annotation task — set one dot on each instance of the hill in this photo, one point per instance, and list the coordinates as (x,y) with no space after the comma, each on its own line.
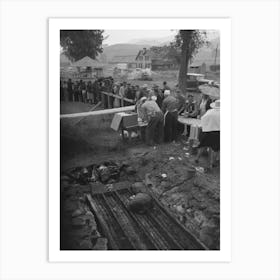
(120,50)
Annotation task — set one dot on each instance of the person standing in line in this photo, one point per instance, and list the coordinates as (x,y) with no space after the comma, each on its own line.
(65,91)
(170,110)
(159,95)
(76,92)
(90,92)
(84,91)
(122,93)
(191,111)
(154,117)
(70,90)
(116,90)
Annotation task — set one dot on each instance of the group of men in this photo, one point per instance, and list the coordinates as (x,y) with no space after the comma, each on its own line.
(160,109)
(86,92)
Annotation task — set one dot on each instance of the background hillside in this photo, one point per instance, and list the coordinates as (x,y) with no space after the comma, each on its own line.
(131,49)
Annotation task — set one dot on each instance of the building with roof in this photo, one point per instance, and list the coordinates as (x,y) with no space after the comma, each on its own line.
(128,60)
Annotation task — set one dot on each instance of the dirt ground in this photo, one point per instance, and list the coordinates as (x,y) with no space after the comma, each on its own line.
(194,201)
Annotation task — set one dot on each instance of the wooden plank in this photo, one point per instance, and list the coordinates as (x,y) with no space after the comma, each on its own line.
(102,223)
(92,109)
(98,113)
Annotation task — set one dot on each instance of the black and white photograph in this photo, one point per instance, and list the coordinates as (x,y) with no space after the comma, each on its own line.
(134,143)
(140,139)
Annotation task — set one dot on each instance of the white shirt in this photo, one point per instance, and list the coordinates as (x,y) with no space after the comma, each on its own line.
(211,120)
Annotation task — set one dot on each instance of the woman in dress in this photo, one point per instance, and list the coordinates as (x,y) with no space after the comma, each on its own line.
(210,137)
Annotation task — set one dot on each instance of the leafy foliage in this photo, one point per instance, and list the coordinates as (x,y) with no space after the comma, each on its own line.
(170,52)
(189,41)
(77,44)
(194,39)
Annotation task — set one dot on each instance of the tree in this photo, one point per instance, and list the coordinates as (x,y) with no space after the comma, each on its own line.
(170,52)
(189,41)
(77,44)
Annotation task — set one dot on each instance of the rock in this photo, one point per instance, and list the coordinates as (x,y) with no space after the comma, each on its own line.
(79,233)
(199,217)
(65,178)
(78,212)
(141,203)
(130,170)
(180,209)
(138,187)
(101,244)
(111,181)
(95,234)
(94,175)
(78,221)
(85,245)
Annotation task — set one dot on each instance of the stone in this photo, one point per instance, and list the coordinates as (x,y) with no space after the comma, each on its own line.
(85,244)
(199,217)
(138,187)
(65,178)
(78,212)
(79,233)
(78,221)
(101,244)
(130,170)
(180,209)
(140,203)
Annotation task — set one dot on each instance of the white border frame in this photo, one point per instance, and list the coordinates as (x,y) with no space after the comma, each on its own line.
(55,255)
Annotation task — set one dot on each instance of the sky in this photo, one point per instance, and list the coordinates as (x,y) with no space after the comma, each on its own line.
(124,36)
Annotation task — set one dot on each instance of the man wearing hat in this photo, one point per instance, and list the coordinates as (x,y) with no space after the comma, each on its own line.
(170,110)
(159,95)
(154,116)
(210,132)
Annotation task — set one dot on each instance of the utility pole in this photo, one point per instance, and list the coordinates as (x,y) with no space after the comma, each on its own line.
(216,52)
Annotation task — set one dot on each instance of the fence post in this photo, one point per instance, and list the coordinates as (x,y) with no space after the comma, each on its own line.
(103,99)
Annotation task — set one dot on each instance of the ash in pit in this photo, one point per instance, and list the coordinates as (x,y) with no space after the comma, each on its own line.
(192,196)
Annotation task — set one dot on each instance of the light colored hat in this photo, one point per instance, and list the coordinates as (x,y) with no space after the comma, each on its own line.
(145,86)
(215,105)
(166,92)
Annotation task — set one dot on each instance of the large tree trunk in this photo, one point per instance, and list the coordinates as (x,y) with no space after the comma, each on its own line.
(185,55)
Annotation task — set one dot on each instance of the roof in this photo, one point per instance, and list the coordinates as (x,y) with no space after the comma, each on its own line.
(146,52)
(88,62)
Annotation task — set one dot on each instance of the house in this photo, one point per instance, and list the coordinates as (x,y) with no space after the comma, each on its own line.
(144,59)
(162,64)
(88,67)
(148,59)
(128,60)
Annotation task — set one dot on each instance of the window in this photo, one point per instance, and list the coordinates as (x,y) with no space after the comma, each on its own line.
(147,57)
(140,57)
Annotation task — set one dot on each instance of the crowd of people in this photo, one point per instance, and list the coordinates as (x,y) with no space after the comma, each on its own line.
(158,106)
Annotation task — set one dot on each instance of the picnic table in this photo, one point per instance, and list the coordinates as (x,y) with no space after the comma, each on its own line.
(195,125)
